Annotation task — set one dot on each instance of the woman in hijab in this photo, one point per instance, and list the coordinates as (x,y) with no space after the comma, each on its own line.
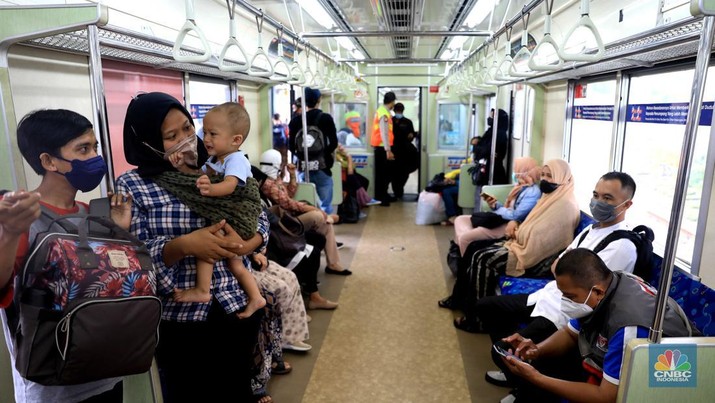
(483,149)
(531,248)
(519,202)
(205,351)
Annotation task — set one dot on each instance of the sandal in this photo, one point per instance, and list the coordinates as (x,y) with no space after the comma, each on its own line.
(447,303)
(263,398)
(471,326)
(280,368)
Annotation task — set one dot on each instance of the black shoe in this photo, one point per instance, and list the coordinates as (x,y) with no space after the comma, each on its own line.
(385,204)
(344,272)
(340,245)
(392,198)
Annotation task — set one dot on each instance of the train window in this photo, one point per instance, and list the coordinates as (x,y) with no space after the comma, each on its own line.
(452,126)
(591,133)
(655,126)
(280,101)
(351,123)
(204,95)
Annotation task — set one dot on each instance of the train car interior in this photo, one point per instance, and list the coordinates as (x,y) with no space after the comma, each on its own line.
(604,85)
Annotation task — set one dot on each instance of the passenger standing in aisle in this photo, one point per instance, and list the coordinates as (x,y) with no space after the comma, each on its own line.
(322,178)
(381,141)
(280,137)
(405,157)
(205,351)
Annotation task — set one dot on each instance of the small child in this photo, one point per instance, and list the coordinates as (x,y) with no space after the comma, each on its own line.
(225,128)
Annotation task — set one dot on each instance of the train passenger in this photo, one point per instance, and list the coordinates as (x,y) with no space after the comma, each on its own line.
(607,310)
(205,351)
(547,230)
(406,155)
(313,219)
(521,199)
(502,315)
(61,146)
(323,178)
(381,141)
(226,127)
(483,149)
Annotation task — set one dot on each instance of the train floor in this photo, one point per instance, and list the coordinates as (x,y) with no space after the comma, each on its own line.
(388,341)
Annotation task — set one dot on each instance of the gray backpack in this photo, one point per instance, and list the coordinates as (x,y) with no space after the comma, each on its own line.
(314,140)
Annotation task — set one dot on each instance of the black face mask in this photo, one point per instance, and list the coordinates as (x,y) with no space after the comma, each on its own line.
(490,121)
(547,187)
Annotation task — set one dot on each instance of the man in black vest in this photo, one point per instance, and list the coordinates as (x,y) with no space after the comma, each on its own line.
(608,310)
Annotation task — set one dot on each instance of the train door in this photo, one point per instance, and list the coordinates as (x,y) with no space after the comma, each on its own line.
(411,98)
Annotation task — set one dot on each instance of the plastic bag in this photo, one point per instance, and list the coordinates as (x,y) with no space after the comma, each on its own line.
(430,209)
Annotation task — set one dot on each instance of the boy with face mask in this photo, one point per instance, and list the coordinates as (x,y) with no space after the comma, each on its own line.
(610,309)
(60,145)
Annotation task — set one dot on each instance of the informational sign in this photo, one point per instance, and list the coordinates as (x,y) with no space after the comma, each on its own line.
(455,162)
(672,114)
(434,89)
(359,161)
(198,111)
(593,112)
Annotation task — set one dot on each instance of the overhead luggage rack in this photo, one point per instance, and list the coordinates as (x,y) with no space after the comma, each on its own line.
(134,47)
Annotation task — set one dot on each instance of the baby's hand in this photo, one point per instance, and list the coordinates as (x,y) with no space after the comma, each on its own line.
(204,185)
(176,159)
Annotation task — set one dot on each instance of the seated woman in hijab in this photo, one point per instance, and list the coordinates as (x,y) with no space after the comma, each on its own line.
(519,202)
(535,243)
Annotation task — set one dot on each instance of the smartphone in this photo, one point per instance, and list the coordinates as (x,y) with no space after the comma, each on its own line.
(505,353)
(486,196)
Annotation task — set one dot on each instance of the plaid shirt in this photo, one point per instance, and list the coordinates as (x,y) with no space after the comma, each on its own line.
(157,218)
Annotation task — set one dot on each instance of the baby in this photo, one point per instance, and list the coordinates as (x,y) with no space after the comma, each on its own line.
(225,128)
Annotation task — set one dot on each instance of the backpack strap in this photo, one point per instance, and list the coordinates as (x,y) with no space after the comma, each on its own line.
(583,236)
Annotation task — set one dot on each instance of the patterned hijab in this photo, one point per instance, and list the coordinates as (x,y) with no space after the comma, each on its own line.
(530,173)
(549,227)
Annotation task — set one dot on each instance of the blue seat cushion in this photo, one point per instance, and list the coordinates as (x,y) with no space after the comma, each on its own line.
(521,285)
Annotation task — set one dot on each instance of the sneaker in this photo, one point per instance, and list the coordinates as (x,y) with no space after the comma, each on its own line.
(496,378)
(362,215)
(298,346)
(373,202)
(340,245)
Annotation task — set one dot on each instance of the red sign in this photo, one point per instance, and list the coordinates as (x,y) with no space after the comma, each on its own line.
(580,91)
(434,88)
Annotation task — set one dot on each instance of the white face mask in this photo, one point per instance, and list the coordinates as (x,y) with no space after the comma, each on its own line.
(575,310)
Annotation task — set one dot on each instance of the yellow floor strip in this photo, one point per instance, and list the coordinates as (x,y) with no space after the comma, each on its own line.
(388,341)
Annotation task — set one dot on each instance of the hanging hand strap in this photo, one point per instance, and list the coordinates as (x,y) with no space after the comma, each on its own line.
(252,70)
(190,25)
(546,42)
(523,54)
(587,23)
(242,66)
(281,61)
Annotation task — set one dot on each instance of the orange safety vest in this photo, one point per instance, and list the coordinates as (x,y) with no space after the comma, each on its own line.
(376,139)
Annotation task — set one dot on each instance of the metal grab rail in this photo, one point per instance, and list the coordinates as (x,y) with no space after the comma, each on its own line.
(585,22)
(260,53)
(190,25)
(232,42)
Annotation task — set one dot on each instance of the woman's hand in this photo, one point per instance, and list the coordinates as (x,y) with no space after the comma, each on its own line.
(121,209)
(210,245)
(511,228)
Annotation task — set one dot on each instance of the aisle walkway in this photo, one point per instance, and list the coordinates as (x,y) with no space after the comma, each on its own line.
(388,341)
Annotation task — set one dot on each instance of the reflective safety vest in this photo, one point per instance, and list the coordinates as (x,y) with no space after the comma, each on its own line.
(352,120)
(376,139)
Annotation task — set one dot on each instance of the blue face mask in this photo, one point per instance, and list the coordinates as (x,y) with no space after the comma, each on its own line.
(86,174)
(398,115)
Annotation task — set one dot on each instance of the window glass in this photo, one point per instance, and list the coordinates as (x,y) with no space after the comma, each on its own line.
(453,125)
(655,127)
(351,124)
(204,95)
(591,133)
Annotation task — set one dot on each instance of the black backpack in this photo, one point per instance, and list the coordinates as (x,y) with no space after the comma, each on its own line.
(642,237)
(315,142)
(349,209)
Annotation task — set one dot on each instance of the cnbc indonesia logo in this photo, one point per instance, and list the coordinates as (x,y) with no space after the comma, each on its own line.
(673,368)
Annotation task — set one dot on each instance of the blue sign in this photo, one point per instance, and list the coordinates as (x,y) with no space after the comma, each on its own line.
(673,366)
(673,114)
(359,161)
(455,162)
(593,112)
(198,111)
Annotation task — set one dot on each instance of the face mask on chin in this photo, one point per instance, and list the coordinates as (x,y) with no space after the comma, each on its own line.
(575,310)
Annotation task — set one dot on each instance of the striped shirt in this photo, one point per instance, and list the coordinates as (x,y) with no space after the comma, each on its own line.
(157,218)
